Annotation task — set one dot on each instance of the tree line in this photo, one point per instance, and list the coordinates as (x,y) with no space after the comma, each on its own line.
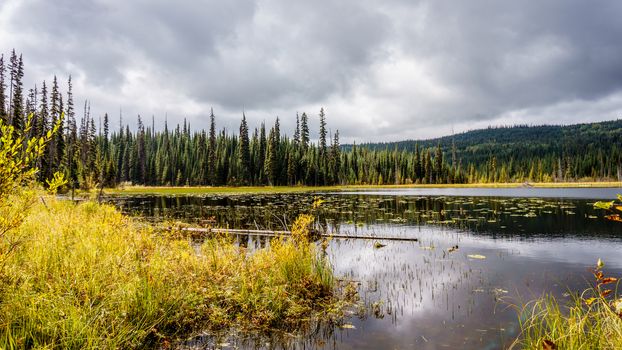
(176,155)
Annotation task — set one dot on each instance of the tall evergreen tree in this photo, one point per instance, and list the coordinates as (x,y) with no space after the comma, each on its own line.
(13,68)
(3,102)
(211,150)
(335,157)
(304,130)
(322,132)
(41,127)
(71,153)
(417,167)
(17,115)
(271,158)
(297,131)
(263,144)
(438,165)
(106,130)
(244,154)
(141,157)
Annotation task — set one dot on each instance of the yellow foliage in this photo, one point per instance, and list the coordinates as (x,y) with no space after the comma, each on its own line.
(18,153)
(88,277)
(301,229)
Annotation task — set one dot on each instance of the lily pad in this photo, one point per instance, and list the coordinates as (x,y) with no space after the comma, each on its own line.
(476,256)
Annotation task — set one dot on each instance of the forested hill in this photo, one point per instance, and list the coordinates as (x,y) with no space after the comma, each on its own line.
(522,143)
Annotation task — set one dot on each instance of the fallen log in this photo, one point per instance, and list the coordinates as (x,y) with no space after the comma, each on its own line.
(268,233)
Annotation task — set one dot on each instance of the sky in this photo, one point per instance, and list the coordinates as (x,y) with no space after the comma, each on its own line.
(382,70)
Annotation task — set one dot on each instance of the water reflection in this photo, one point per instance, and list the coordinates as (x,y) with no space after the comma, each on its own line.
(496,217)
(425,294)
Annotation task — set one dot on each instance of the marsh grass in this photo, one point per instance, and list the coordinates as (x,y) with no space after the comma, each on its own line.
(590,320)
(87,277)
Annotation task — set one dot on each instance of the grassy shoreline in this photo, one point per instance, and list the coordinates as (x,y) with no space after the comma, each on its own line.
(165,190)
(84,276)
(591,319)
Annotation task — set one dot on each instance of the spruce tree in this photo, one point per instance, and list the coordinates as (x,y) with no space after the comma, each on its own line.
(297,131)
(71,138)
(211,150)
(418,173)
(17,115)
(429,173)
(244,151)
(13,67)
(141,157)
(41,127)
(322,132)
(438,165)
(304,131)
(105,140)
(262,153)
(335,156)
(3,106)
(271,158)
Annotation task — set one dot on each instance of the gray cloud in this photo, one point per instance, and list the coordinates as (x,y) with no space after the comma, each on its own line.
(390,70)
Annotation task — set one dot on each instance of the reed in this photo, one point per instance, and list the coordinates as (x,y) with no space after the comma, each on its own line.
(590,320)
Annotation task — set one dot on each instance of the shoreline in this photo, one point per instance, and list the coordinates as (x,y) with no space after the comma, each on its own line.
(136,190)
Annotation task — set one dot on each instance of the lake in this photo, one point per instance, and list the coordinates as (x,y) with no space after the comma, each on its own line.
(467,258)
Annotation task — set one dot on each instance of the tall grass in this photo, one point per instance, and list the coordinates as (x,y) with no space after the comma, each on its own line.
(591,320)
(86,276)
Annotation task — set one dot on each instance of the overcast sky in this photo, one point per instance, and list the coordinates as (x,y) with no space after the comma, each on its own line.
(383,70)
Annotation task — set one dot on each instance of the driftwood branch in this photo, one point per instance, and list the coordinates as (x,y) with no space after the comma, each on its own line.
(268,233)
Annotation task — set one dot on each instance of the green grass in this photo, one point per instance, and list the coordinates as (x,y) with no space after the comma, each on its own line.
(86,277)
(198,190)
(592,320)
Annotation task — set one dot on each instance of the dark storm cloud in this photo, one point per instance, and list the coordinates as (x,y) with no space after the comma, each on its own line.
(516,55)
(391,69)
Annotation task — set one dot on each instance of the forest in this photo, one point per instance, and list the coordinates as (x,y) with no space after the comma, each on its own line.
(162,155)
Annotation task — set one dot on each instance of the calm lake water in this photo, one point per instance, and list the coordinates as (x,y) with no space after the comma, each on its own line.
(534,241)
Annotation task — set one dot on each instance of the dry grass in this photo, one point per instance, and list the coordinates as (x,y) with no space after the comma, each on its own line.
(85,276)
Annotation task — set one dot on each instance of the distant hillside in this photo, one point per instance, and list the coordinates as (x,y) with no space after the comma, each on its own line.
(524,144)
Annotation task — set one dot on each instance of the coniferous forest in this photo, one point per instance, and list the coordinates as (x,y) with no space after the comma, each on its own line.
(90,154)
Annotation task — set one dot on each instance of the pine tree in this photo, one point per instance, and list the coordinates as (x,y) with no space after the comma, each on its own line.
(271,158)
(105,141)
(304,131)
(291,167)
(55,148)
(244,153)
(322,132)
(31,108)
(438,165)
(297,131)
(277,131)
(13,67)
(453,157)
(71,138)
(262,153)
(3,107)
(17,115)
(418,168)
(141,157)
(335,156)
(429,173)
(41,127)
(211,150)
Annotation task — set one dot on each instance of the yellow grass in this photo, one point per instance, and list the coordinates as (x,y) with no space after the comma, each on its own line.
(86,277)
